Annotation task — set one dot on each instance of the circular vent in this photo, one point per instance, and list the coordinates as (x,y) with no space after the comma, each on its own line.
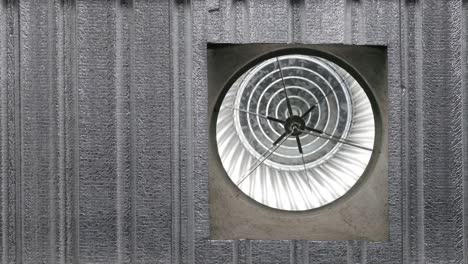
(295,132)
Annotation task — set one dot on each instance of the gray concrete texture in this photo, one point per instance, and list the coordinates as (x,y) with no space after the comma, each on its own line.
(104,141)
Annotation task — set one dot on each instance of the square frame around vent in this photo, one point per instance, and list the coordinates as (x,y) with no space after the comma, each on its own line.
(361,214)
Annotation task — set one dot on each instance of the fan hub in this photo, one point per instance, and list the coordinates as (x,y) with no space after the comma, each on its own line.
(294,124)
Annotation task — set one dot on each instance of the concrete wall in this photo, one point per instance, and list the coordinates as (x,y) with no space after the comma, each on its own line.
(103,127)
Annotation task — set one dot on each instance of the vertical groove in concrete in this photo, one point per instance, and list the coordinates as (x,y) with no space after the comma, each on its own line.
(20,211)
(4,188)
(67,132)
(120,129)
(230,20)
(348,22)
(358,18)
(241,31)
(57,144)
(363,249)
(133,121)
(72,134)
(356,252)
(292,251)
(52,144)
(291,21)
(305,251)
(190,174)
(296,26)
(248,253)
(124,133)
(235,252)
(61,130)
(18,133)
(175,134)
(363,252)
(413,135)
(464,123)
(419,137)
(56,133)
(183,12)
(349,252)
(238,19)
(246,21)
(133,115)
(404,130)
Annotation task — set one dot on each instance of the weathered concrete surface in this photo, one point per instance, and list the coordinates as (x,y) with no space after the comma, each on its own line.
(103,127)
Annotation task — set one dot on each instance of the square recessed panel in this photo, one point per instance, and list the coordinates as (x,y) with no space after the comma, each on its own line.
(298,142)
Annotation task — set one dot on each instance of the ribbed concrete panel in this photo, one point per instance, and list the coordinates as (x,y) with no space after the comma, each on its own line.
(10,147)
(150,95)
(103,129)
(97,93)
(412,133)
(45,191)
(443,223)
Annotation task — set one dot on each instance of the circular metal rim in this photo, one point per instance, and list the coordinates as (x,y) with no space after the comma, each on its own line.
(369,91)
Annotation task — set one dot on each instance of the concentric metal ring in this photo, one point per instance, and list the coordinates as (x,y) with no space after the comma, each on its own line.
(286,178)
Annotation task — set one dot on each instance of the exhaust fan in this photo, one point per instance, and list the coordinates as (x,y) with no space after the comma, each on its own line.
(295,132)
